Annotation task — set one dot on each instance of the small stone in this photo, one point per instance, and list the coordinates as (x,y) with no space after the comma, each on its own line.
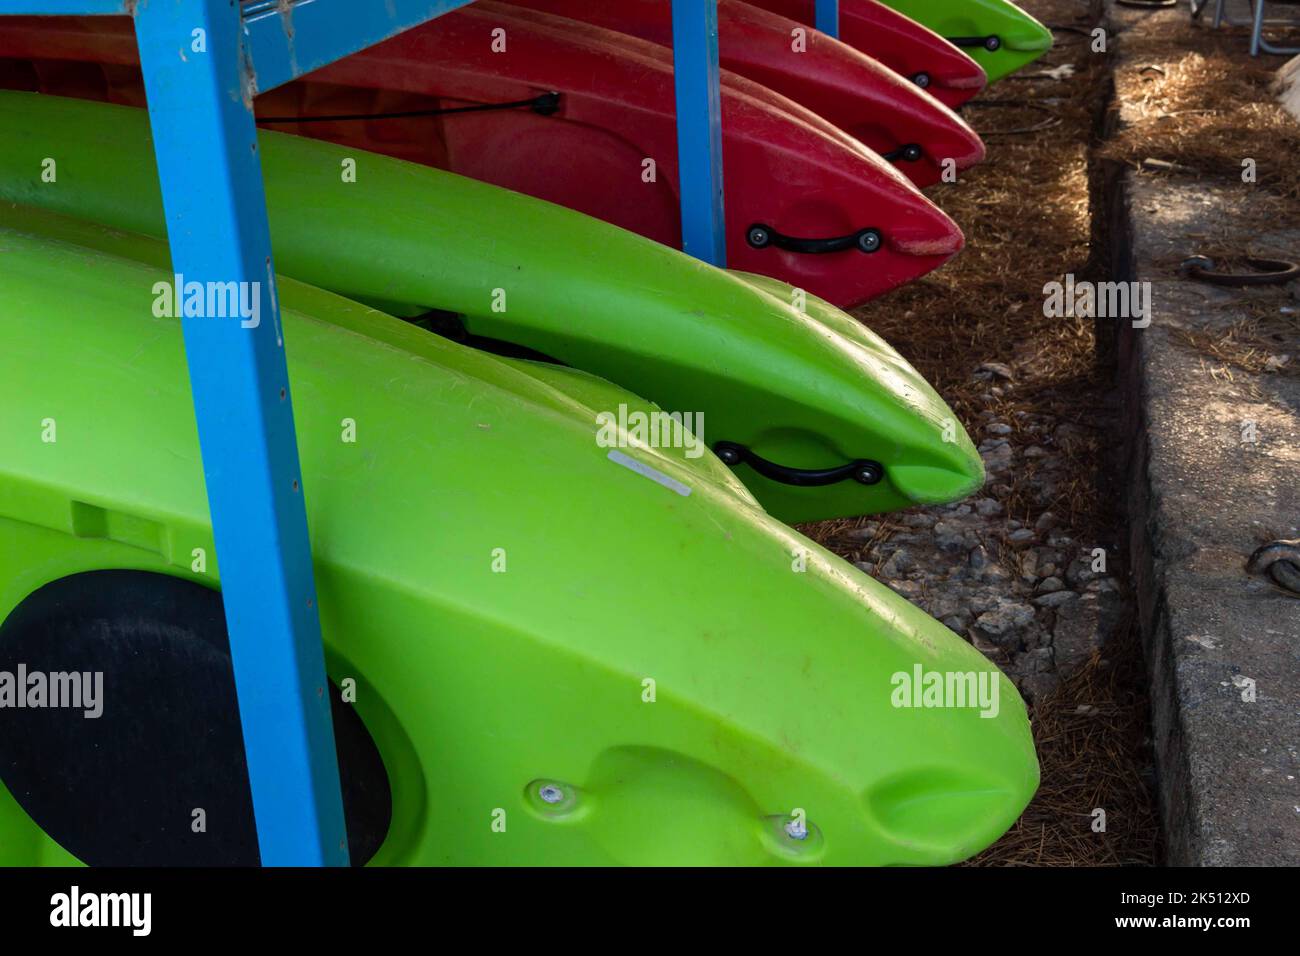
(1079,572)
(996,459)
(1038,661)
(921,520)
(998,428)
(1028,566)
(865,533)
(951,543)
(908,537)
(1006,623)
(955,623)
(1055,599)
(1020,538)
(1050,584)
(988,507)
(1036,451)
(982,603)
(898,564)
(978,559)
(992,370)
(1089,625)
(1037,686)
(1103,585)
(1046,521)
(908,589)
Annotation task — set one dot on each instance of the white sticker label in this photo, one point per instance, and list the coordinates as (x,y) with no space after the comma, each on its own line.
(618,458)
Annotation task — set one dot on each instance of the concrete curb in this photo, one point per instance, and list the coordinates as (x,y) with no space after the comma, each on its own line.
(1213,471)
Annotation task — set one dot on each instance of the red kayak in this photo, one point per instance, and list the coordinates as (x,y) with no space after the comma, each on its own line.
(573,114)
(895,118)
(902,44)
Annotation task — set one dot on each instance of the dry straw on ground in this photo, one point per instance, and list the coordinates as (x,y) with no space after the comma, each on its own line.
(1199,101)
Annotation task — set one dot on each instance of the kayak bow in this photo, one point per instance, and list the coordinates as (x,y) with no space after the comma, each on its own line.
(771,690)
(997,34)
(793,380)
(893,117)
(905,46)
(832,217)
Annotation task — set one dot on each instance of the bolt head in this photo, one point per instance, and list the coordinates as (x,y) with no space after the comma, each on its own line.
(550,793)
(922,80)
(992,43)
(869,240)
(758,237)
(868,474)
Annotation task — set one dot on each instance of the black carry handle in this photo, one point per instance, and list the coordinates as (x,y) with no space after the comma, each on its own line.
(864,240)
(992,42)
(863,470)
(910,153)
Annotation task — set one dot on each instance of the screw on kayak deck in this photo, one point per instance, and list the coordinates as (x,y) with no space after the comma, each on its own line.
(922,80)
(550,793)
(552,799)
(797,829)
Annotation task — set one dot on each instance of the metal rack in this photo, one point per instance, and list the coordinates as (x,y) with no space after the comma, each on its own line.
(203,62)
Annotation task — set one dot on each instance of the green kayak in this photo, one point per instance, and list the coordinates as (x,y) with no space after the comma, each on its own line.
(820,417)
(560,653)
(997,34)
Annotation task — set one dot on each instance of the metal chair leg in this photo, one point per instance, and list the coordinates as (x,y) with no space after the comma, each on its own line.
(1257,39)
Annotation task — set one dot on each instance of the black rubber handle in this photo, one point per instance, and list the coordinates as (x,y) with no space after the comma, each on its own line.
(991,42)
(909,153)
(863,470)
(864,240)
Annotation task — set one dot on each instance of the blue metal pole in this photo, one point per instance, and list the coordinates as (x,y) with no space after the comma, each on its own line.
(699,128)
(200,109)
(828,17)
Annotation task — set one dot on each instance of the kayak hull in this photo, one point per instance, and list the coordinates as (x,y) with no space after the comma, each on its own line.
(909,48)
(997,34)
(607,149)
(683,690)
(780,372)
(890,115)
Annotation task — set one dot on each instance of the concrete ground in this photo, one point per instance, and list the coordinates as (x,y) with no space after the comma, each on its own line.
(1214,472)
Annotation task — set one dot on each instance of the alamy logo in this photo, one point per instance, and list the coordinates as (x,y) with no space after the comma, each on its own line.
(946,689)
(74,908)
(74,690)
(209,300)
(1098,300)
(651,430)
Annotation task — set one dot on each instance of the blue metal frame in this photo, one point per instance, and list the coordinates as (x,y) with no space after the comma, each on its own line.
(828,17)
(205,142)
(699,131)
(217,229)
